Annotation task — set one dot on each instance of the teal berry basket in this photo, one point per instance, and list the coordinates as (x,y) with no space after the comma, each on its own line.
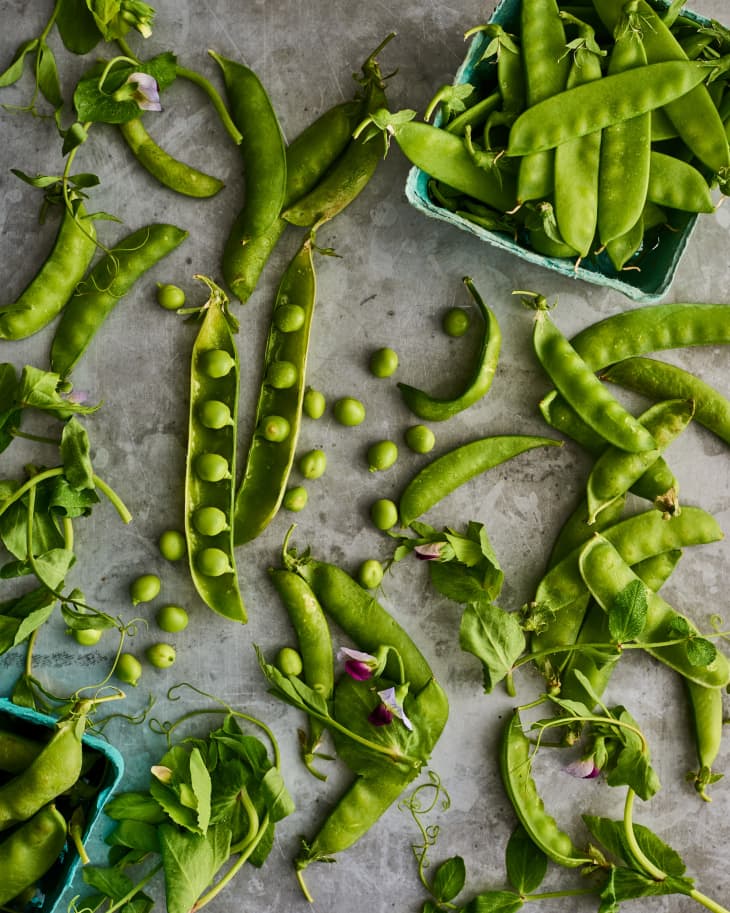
(103,771)
(646,277)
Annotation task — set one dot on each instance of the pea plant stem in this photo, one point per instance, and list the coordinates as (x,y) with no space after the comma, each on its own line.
(647,865)
(707,902)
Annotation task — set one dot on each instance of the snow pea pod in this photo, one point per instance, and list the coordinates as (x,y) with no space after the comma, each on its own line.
(30,851)
(110,279)
(431,408)
(707,723)
(269,461)
(54,283)
(169,171)
(677,185)
(456,467)
(17,751)
(210,545)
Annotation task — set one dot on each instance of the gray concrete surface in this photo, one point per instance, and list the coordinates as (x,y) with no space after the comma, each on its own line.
(395,273)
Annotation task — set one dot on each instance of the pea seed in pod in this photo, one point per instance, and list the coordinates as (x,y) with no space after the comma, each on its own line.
(384,362)
(314,403)
(370,574)
(349,411)
(313,464)
(172,544)
(145,588)
(281,374)
(216,363)
(161,655)
(288,661)
(295,498)
(172,619)
(212,467)
(170,297)
(420,439)
(214,414)
(384,514)
(213,562)
(382,456)
(210,521)
(288,318)
(275,428)
(128,669)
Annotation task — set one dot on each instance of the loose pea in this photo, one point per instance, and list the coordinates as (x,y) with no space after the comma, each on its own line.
(384,513)
(213,562)
(314,403)
(370,574)
(455,322)
(349,411)
(216,363)
(210,521)
(172,618)
(281,374)
(383,362)
(161,655)
(275,428)
(128,669)
(420,439)
(296,498)
(313,464)
(288,318)
(214,414)
(87,637)
(288,661)
(382,456)
(212,467)
(170,297)
(144,588)
(172,544)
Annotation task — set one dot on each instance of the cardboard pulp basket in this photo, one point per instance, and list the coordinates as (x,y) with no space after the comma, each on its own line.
(106,770)
(657,263)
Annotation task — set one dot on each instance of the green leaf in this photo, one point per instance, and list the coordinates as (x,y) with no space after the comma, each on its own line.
(201,786)
(10,414)
(109,882)
(494,902)
(67,501)
(48,81)
(190,862)
(75,455)
(137,835)
(494,637)
(51,567)
(136,806)
(8,630)
(75,136)
(628,612)
(628,884)
(38,390)
(632,768)
(264,846)
(33,620)
(79,620)
(700,652)
(15,70)
(526,863)
(278,800)
(76,26)
(449,879)
(98,105)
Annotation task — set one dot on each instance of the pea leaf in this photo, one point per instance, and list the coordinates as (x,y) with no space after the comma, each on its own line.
(10,414)
(191,861)
(628,884)
(110,882)
(494,637)
(48,81)
(201,787)
(136,806)
(33,620)
(137,835)
(449,879)
(67,501)
(526,863)
(75,454)
(76,26)
(38,390)
(700,651)
(277,797)
(632,768)
(494,902)
(13,73)
(627,613)
(77,620)
(94,104)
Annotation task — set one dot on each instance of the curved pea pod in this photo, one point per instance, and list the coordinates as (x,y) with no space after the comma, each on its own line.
(515,766)
(48,292)
(269,462)
(707,724)
(606,574)
(677,185)
(53,771)
(622,248)
(220,590)
(169,171)
(17,751)
(446,473)
(111,278)
(431,408)
(30,851)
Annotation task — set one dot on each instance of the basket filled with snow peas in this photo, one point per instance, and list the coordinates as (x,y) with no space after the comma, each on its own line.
(586,138)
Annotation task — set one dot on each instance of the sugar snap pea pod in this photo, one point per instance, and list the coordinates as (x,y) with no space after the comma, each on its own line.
(30,851)
(661,380)
(269,460)
(601,103)
(209,497)
(515,767)
(510,69)
(622,248)
(707,723)
(475,115)
(169,171)
(456,467)
(584,391)
(110,279)
(431,408)
(615,471)
(262,147)
(677,185)
(47,293)
(606,574)
(17,751)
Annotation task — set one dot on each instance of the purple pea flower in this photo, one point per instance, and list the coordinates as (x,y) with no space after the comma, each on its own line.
(584,769)
(358,665)
(429,552)
(146,92)
(391,705)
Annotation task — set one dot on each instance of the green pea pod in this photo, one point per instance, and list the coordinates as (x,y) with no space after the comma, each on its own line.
(677,185)
(163,167)
(606,574)
(17,751)
(707,723)
(262,147)
(109,281)
(456,467)
(621,249)
(431,408)
(48,292)
(269,462)
(30,851)
(210,549)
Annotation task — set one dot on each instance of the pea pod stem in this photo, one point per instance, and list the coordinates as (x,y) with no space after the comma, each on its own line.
(647,865)
(218,104)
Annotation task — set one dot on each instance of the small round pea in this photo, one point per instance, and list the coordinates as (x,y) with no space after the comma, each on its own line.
(210,521)
(212,467)
(370,574)
(275,428)
(382,455)
(213,562)
(314,403)
(216,363)
(288,661)
(128,669)
(288,318)
(295,498)
(172,618)
(456,322)
(420,439)
(384,513)
(214,414)
(87,637)
(349,411)
(281,375)
(172,545)
(144,588)
(170,297)
(383,362)
(312,464)
(161,655)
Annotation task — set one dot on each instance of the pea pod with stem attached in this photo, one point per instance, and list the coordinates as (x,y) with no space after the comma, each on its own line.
(30,851)
(707,723)
(431,408)
(209,495)
(677,185)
